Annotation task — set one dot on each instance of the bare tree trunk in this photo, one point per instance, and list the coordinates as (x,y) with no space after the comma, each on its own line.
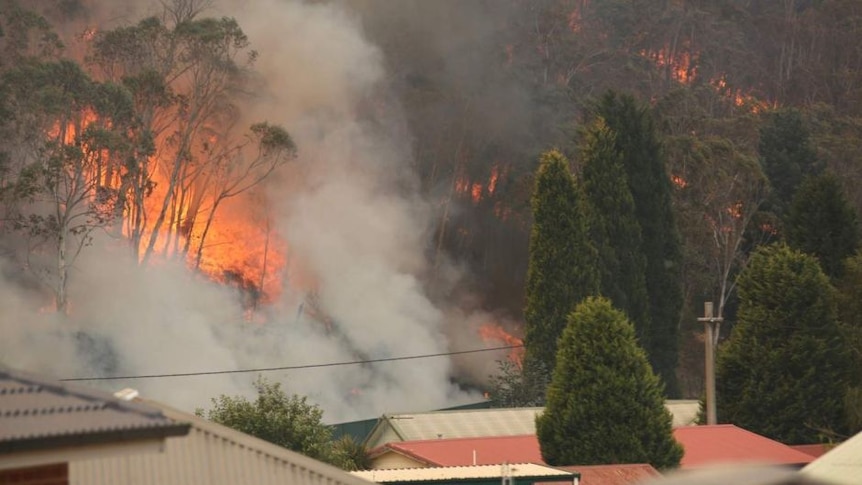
(206,230)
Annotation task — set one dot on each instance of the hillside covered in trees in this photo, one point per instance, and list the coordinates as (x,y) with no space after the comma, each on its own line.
(172,129)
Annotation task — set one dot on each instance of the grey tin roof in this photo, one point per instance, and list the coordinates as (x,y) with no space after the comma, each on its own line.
(37,413)
(210,454)
(474,423)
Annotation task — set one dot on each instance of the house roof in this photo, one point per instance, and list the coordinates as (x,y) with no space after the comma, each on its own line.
(493,450)
(614,474)
(840,465)
(725,443)
(704,445)
(40,414)
(815,450)
(746,474)
(473,423)
(211,454)
(515,470)
(498,450)
(454,424)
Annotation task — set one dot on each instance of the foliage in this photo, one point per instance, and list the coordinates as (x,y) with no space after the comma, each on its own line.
(615,229)
(849,288)
(605,404)
(288,421)
(25,35)
(562,269)
(822,223)
(787,156)
(187,74)
(349,454)
(517,386)
(785,369)
(57,192)
(720,188)
(637,143)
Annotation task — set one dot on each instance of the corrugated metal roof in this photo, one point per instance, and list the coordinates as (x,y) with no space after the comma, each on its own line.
(614,474)
(37,413)
(841,465)
(498,450)
(493,450)
(477,423)
(470,423)
(726,443)
(515,470)
(736,474)
(211,454)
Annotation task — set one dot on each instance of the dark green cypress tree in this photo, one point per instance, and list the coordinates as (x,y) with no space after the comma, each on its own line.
(821,222)
(637,143)
(787,157)
(614,227)
(605,404)
(562,268)
(784,371)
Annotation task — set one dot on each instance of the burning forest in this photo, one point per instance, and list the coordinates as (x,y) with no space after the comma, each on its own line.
(213,193)
(207,185)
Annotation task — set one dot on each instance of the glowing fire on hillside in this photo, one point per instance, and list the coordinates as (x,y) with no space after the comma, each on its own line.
(478,191)
(681,67)
(240,248)
(493,333)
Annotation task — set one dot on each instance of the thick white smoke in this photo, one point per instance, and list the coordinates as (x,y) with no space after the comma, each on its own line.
(350,212)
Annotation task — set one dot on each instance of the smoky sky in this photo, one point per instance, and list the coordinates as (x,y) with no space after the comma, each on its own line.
(356,213)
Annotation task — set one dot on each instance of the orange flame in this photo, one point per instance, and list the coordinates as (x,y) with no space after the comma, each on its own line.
(239,249)
(682,66)
(476,192)
(493,333)
(492,182)
(679,181)
(740,99)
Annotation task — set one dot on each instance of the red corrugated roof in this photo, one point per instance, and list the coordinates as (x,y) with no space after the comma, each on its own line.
(509,449)
(724,443)
(492,450)
(613,474)
(815,450)
(704,445)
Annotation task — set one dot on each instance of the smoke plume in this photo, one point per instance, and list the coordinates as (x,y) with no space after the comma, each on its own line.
(359,236)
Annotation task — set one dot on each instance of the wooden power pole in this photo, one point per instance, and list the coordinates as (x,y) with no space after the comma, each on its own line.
(710,322)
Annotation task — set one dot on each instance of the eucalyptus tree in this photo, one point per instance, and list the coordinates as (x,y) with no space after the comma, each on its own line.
(186,74)
(71,128)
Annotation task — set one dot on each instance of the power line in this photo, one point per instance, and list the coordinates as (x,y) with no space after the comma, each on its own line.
(289,367)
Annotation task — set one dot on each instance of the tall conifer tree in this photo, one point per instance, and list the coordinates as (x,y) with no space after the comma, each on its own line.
(605,404)
(614,227)
(785,370)
(821,222)
(787,157)
(562,268)
(638,145)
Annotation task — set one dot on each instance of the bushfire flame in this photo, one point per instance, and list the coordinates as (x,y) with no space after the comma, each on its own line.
(240,248)
(493,333)
(478,191)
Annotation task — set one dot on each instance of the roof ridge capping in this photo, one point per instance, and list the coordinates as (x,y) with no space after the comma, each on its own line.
(90,394)
(461,472)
